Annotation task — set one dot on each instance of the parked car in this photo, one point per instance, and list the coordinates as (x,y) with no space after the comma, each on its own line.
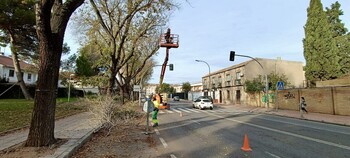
(206,97)
(203,103)
(176,98)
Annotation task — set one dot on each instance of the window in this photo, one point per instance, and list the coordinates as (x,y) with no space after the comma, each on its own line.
(228,95)
(11,73)
(228,80)
(238,78)
(29,77)
(219,81)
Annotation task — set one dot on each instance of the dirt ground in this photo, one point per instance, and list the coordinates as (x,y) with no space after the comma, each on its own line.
(124,140)
(19,151)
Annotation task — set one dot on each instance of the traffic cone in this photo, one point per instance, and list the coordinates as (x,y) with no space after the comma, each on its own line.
(245,146)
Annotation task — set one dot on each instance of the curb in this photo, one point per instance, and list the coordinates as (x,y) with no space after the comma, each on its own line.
(69,148)
(321,121)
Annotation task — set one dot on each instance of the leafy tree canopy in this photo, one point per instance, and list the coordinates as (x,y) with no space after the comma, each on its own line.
(186,87)
(165,88)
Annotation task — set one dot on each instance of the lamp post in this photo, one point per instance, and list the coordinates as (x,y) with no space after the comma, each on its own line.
(69,83)
(209,88)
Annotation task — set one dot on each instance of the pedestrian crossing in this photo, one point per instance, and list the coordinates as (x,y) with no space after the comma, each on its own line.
(191,110)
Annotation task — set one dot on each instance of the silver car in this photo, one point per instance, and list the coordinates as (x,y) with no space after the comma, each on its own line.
(203,103)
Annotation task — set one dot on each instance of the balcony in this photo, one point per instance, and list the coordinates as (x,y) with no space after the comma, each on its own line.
(219,85)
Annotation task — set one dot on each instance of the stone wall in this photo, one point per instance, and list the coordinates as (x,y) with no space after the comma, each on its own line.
(329,100)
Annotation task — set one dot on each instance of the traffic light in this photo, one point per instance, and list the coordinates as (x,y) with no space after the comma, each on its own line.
(171,67)
(232,55)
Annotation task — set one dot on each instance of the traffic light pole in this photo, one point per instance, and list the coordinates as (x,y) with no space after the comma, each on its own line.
(232,54)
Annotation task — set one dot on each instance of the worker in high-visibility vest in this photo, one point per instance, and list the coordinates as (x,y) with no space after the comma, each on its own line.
(155,111)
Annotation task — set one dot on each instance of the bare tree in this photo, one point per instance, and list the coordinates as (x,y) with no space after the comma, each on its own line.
(118,27)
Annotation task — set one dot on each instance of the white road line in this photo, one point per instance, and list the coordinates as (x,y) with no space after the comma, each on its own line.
(157,132)
(194,110)
(303,125)
(184,110)
(163,142)
(176,110)
(195,122)
(273,155)
(286,133)
(172,156)
(161,112)
(220,111)
(169,111)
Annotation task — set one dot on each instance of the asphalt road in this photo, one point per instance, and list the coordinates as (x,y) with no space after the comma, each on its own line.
(220,133)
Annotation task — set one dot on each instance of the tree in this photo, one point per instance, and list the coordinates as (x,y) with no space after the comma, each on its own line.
(52,17)
(258,84)
(340,35)
(165,88)
(17,23)
(186,87)
(320,51)
(117,27)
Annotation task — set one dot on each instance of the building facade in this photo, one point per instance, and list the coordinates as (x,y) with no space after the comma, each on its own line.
(227,85)
(7,71)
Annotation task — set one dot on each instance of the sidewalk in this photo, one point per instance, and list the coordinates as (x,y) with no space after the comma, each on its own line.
(326,118)
(77,129)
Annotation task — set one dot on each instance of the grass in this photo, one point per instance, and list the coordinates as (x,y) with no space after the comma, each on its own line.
(17,113)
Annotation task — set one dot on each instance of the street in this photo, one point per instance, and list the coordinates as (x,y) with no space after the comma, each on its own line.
(188,132)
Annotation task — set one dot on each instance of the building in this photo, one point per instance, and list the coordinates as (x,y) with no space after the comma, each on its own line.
(226,85)
(7,71)
(196,91)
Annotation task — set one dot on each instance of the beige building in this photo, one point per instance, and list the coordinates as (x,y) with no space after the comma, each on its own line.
(226,85)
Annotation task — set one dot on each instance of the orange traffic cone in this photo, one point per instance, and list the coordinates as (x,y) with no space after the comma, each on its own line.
(245,146)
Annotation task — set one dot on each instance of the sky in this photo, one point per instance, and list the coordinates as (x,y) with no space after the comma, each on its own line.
(209,30)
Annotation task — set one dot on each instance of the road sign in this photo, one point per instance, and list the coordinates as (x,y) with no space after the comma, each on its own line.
(280,85)
(137,88)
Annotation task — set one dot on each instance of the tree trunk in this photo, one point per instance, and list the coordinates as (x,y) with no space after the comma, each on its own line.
(42,126)
(51,19)
(18,70)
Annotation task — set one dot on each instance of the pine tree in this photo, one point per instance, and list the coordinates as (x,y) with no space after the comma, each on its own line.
(340,35)
(320,50)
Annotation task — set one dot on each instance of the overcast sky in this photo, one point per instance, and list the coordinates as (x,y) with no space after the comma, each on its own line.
(209,30)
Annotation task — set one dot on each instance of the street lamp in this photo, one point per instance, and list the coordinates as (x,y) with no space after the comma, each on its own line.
(209,72)
(70,79)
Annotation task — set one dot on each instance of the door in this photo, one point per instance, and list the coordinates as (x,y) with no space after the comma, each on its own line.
(238,96)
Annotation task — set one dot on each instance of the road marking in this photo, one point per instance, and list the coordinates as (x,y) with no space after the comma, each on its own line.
(172,156)
(157,132)
(286,133)
(195,122)
(220,111)
(300,124)
(176,110)
(169,111)
(273,155)
(194,110)
(184,110)
(163,142)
